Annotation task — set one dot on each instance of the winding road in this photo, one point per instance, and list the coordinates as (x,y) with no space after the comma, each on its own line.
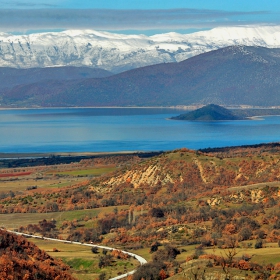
(139,258)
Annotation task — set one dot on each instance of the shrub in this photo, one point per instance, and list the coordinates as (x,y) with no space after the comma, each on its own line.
(156,213)
(245,234)
(259,244)
(94,250)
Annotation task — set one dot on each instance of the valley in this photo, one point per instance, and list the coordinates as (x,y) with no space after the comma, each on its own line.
(139,140)
(211,212)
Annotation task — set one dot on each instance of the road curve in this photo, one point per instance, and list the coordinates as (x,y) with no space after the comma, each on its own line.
(139,258)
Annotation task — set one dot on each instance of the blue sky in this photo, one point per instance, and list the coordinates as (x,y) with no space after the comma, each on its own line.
(134,16)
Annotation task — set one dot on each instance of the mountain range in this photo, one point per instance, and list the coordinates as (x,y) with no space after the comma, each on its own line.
(233,75)
(118,52)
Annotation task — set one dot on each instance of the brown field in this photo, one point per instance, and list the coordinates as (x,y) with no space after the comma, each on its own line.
(19,174)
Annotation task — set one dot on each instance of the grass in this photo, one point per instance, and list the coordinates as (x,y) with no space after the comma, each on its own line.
(269,254)
(143,252)
(58,177)
(212,273)
(22,183)
(15,220)
(86,172)
(83,262)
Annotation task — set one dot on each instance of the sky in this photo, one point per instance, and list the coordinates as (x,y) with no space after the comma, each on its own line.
(134,16)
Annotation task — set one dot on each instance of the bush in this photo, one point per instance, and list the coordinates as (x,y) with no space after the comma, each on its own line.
(149,271)
(154,247)
(259,244)
(156,213)
(94,250)
(245,234)
(102,276)
(169,253)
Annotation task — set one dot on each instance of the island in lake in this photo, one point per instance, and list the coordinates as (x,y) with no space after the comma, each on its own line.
(214,112)
(210,112)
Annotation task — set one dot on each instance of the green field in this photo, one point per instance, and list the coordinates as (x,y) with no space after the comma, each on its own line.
(85,172)
(83,262)
(20,184)
(12,221)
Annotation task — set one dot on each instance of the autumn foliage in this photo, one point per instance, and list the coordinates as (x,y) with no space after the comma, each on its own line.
(21,259)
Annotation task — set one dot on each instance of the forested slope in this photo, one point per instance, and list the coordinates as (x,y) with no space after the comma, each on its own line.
(21,259)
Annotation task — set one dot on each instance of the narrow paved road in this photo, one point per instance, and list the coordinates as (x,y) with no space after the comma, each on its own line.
(139,258)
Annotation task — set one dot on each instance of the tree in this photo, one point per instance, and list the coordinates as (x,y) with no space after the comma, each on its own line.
(245,234)
(94,250)
(154,247)
(102,276)
(197,272)
(259,244)
(156,213)
(105,260)
(198,252)
(149,271)
(169,253)
(162,274)
(227,257)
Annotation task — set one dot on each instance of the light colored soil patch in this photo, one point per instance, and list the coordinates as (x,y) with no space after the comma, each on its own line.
(255,186)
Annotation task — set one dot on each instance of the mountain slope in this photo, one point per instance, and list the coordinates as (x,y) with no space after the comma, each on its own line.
(230,76)
(10,77)
(118,52)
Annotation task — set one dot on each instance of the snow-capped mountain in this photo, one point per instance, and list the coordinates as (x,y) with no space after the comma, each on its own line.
(118,52)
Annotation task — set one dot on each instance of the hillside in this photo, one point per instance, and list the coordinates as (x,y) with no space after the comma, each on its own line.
(230,76)
(217,205)
(209,112)
(11,77)
(119,52)
(181,174)
(21,259)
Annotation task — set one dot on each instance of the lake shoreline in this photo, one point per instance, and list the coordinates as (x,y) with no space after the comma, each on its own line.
(69,154)
(22,160)
(104,132)
(180,107)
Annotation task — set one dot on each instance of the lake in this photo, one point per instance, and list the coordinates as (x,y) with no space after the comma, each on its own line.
(123,129)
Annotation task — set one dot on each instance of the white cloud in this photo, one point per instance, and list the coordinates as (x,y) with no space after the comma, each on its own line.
(105,19)
(26,4)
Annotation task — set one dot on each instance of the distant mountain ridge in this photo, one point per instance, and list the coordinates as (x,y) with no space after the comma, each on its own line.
(119,52)
(230,76)
(10,77)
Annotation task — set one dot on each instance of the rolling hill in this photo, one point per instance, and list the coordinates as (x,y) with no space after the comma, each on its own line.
(217,205)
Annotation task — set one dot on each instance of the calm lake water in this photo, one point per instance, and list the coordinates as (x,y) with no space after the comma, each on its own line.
(129,129)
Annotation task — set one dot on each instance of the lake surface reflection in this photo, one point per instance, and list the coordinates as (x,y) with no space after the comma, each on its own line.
(123,129)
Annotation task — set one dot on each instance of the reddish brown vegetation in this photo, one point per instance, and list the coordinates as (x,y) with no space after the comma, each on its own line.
(16,174)
(20,259)
(182,195)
